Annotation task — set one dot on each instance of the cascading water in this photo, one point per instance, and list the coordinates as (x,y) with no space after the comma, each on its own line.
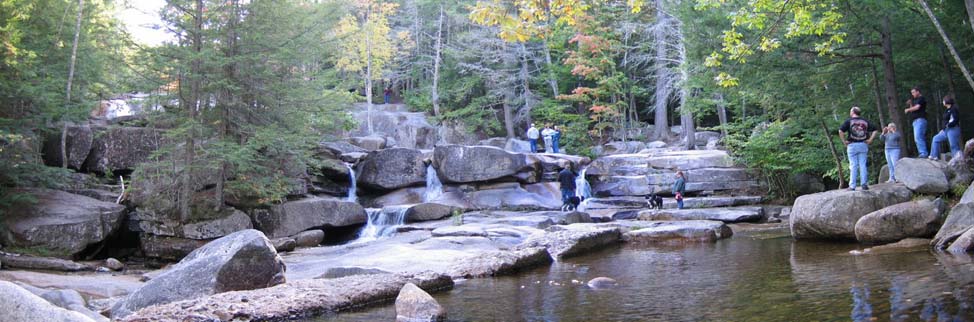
(434,188)
(382,222)
(583,189)
(351,190)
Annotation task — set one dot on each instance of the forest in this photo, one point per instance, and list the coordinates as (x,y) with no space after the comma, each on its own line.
(248,87)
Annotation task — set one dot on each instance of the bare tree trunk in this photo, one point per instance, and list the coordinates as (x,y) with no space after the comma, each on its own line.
(721,113)
(970,11)
(950,46)
(835,153)
(950,78)
(889,76)
(508,114)
(192,105)
(528,95)
(368,67)
(552,80)
(879,95)
(663,89)
(74,57)
(434,91)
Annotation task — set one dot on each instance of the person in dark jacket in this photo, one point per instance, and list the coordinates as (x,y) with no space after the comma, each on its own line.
(950,133)
(567,180)
(679,188)
(918,116)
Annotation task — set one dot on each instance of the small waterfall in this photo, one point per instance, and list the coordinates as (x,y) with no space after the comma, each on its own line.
(382,222)
(351,190)
(583,188)
(434,188)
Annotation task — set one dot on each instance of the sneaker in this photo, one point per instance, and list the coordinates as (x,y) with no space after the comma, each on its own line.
(852,188)
(865,187)
(890,181)
(932,158)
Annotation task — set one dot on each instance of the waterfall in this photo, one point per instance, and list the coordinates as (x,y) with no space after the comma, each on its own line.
(351,190)
(583,188)
(434,188)
(382,222)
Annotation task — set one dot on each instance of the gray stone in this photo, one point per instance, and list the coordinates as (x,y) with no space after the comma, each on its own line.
(968,195)
(70,300)
(407,129)
(415,305)
(704,137)
(460,231)
(60,222)
(964,243)
(243,260)
(497,263)
(495,142)
(620,186)
(679,231)
(613,148)
(368,143)
(114,264)
(656,145)
(959,220)
(537,222)
(728,215)
(923,176)
(602,282)
(909,219)
(310,238)
(959,172)
(21,305)
(460,164)
(510,199)
(339,272)
(41,263)
(284,244)
(392,169)
(208,229)
(690,159)
(335,149)
(573,240)
(167,247)
(619,165)
(79,141)
(122,148)
(833,214)
(429,211)
(293,217)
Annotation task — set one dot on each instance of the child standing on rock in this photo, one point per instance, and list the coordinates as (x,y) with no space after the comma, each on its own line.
(679,188)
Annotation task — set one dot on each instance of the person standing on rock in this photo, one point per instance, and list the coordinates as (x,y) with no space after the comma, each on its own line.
(892,139)
(679,188)
(950,133)
(555,138)
(860,134)
(533,136)
(566,178)
(918,116)
(387,94)
(547,133)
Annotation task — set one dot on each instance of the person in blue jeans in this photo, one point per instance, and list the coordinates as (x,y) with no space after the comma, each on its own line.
(555,138)
(679,188)
(857,133)
(892,139)
(918,116)
(950,133)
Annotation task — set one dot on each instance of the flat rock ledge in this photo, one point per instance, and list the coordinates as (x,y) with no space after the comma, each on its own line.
(501,263)
(293,300)
(574,239)
(679,231)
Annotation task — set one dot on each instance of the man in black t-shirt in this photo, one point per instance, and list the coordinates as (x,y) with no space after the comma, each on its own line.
(918,117)
(860,135)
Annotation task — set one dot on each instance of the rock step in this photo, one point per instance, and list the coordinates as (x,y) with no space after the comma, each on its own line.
(679,231)
(629,202)
(727,215)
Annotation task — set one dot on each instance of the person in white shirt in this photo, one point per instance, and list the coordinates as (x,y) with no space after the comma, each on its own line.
(547,133)
(533,138)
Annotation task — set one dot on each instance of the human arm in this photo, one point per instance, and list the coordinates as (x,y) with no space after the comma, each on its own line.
(842,137)
(871,137)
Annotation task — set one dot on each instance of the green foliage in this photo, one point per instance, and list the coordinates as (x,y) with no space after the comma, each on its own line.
(958,190)
(779,151)
(575,137)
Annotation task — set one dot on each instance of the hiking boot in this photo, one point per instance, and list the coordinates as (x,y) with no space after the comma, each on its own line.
(865,187)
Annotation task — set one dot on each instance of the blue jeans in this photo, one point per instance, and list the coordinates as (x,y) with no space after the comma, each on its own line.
(534,145)
(386,98)
(567,194)
(554,143)
(920,136)
(951,135)
(857,163)
(679,204)
(891,156)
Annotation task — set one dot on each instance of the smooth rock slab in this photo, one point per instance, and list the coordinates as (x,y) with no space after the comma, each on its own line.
(460,231)
(297,299)
(392,169)
(728,215)
(415,305)
(834,214)
(959,220)
(60,222)
(294,217)
(923,176)
(909,219)
(240,261)
(496,263)
(19,304)
(459,164)
(41,263)
(573,240)
(689,230)
(964,243)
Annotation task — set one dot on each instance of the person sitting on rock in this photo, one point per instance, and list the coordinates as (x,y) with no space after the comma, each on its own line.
(950,133)
(892,139)
(860,134)
(679,188)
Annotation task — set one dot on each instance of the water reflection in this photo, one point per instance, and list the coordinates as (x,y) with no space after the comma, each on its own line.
(738,279)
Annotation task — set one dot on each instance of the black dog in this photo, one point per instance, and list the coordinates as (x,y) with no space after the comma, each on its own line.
(572,203)
(655,201)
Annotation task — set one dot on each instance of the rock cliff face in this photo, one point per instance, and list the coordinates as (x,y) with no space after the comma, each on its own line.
(644,173)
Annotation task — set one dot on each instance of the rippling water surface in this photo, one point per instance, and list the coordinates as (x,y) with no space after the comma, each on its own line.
(738,279)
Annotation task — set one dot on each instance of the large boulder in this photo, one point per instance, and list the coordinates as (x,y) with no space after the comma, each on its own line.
(680,231)
(369,143)
(922,175)
(123,148)
(168,247)
(573,240)
(619,147)
(19,304)
(461,164)
(414,305)
(293,217)
(392,169)
(964,243)
(218,227)
(243,260)
(62,223)
(429,211)
(834,214)
(77,146)
(909,219)
(959,220)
